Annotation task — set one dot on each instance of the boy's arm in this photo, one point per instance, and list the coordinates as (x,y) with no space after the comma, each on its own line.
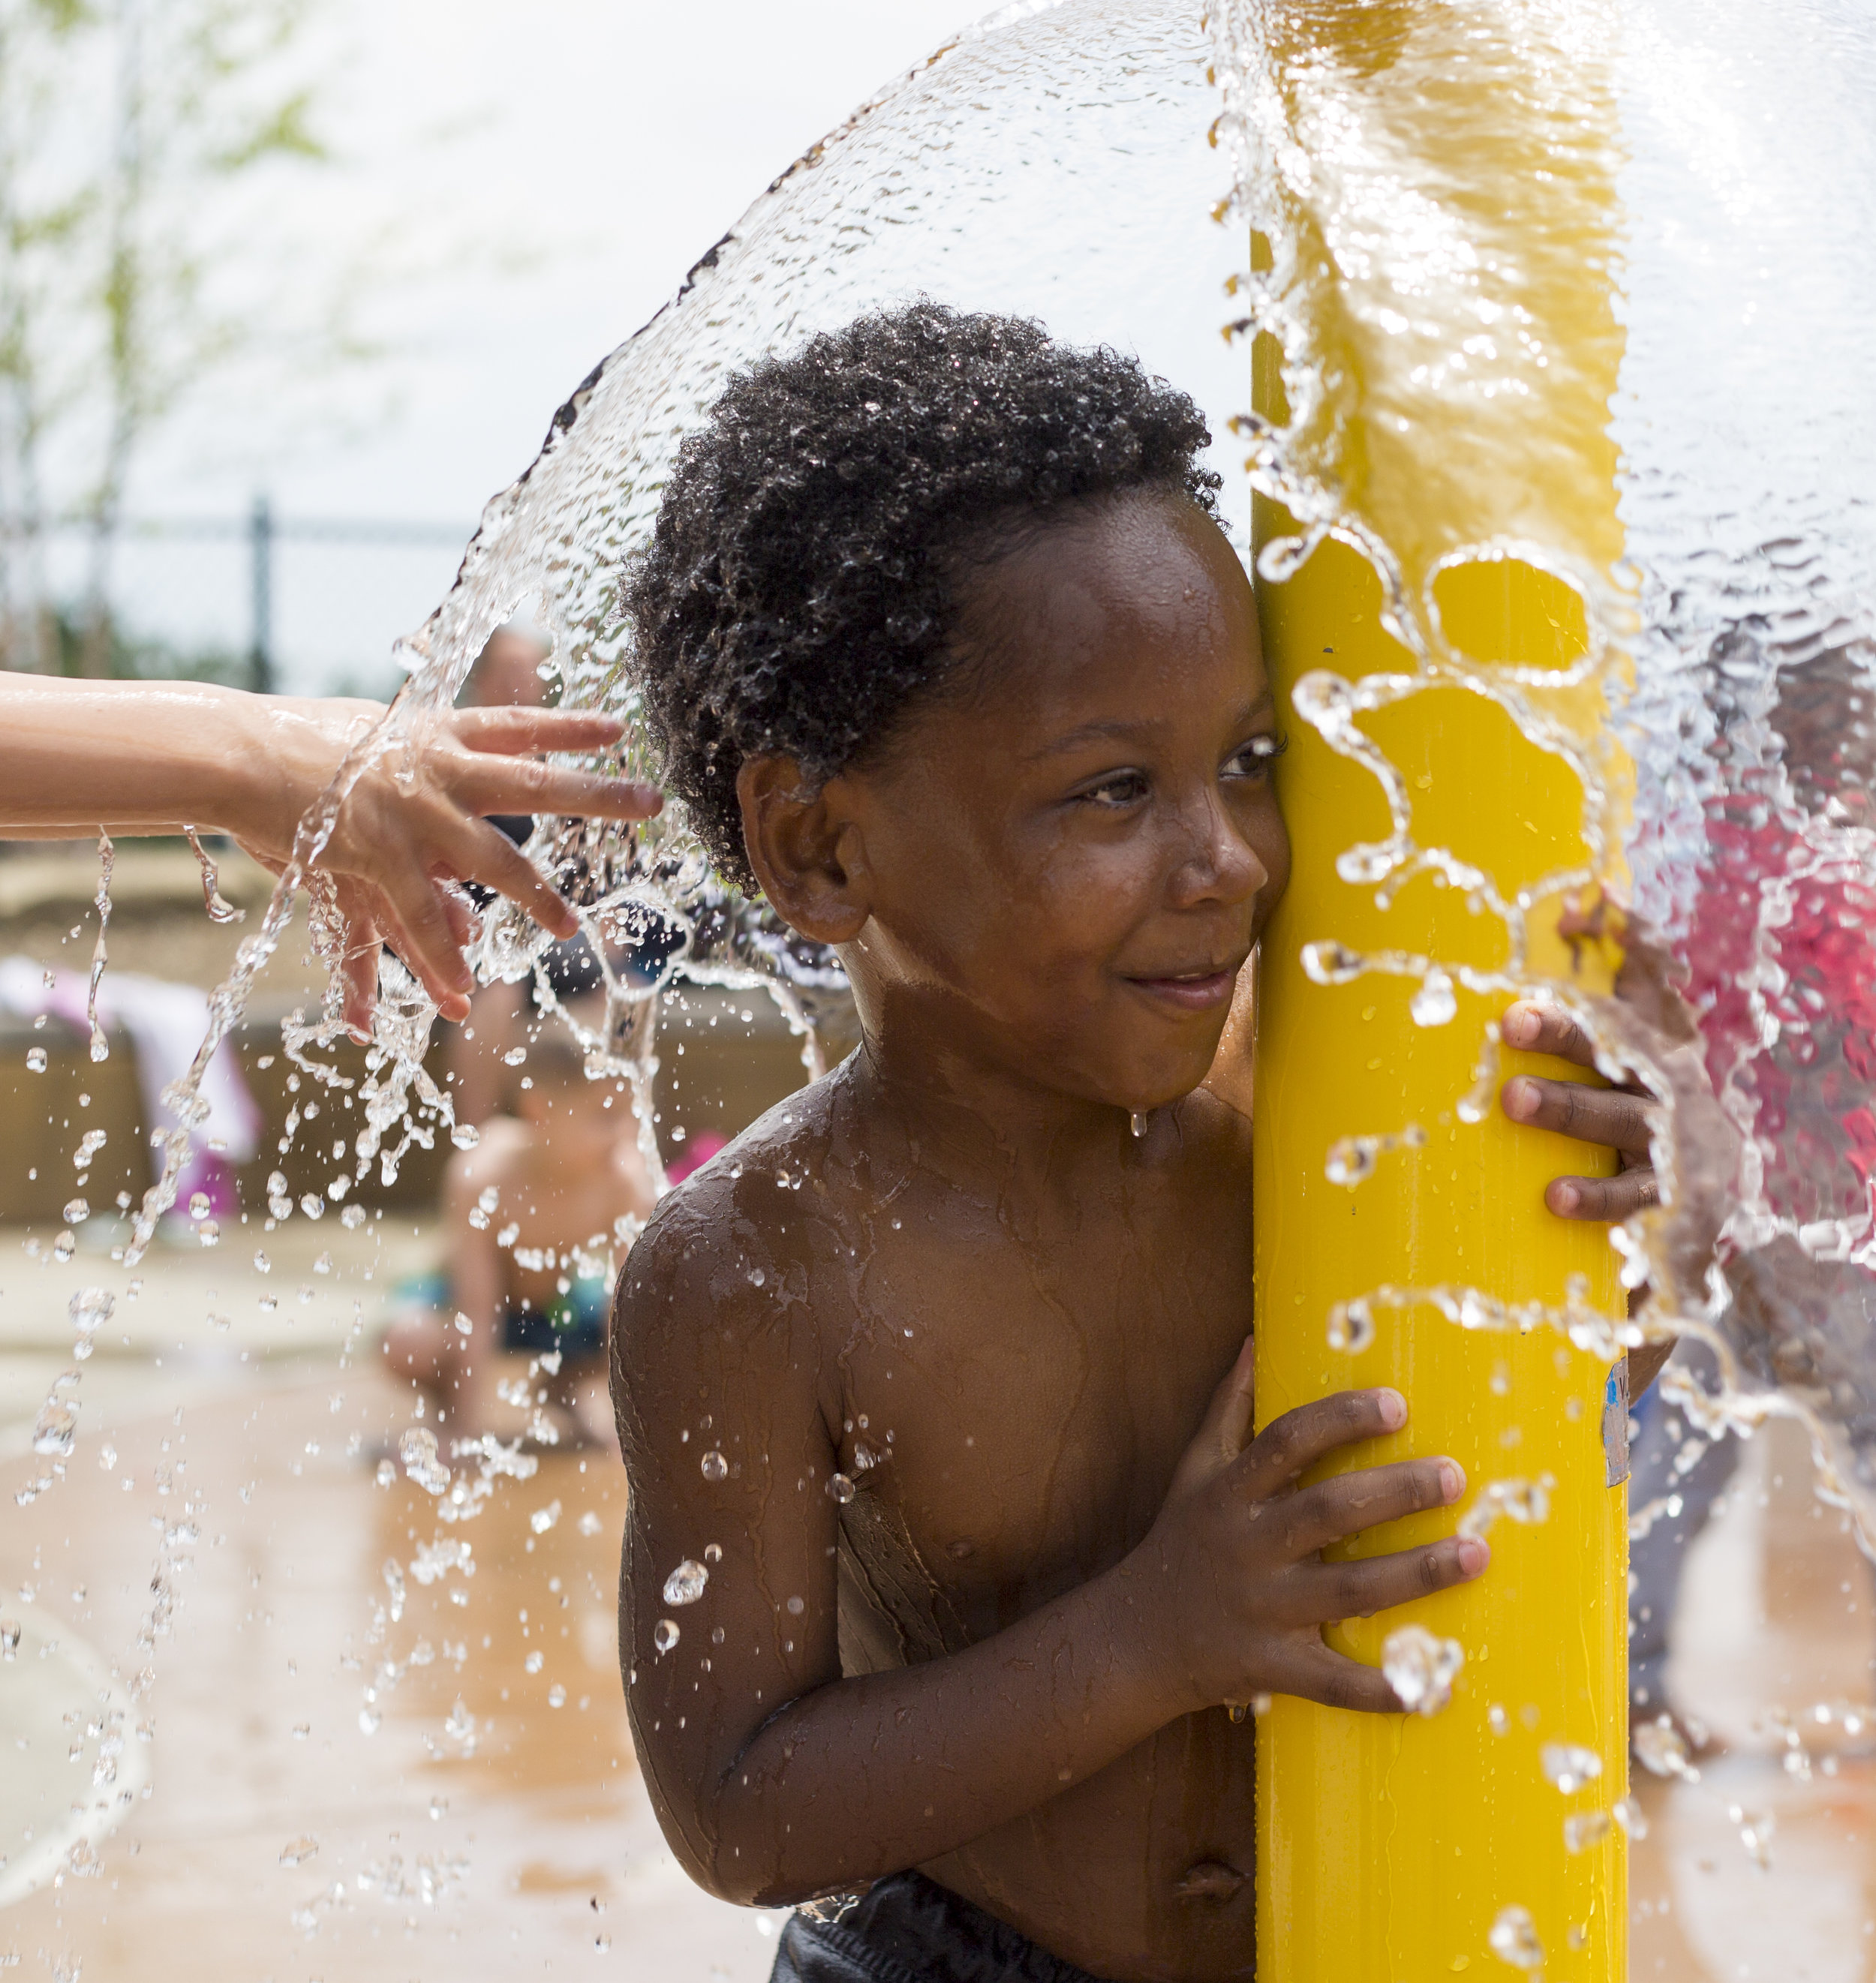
(773,1778)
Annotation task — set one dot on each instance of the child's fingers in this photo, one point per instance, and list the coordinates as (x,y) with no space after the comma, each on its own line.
(1226,1426)
(1610,1116)
(1609,1200)
(1533,1027)
(1333,1681)
(1332,1511)
(1339,1590)
(1301,1437)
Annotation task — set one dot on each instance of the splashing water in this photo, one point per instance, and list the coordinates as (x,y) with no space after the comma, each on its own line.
(100,1046)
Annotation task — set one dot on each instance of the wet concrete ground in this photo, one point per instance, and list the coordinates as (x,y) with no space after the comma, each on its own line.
(485,1819)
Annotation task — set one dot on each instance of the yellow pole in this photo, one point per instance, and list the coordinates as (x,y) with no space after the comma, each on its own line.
(1397,1849)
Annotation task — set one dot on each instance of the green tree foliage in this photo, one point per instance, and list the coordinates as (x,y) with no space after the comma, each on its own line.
(138,139)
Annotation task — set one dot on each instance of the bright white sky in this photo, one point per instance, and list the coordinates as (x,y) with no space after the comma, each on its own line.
(550,171)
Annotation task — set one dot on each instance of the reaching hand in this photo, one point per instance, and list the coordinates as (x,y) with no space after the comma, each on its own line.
(413,827)
(1615,1117)
(1237,1549)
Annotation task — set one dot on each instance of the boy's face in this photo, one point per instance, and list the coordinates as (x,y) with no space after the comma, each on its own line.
(1065,864)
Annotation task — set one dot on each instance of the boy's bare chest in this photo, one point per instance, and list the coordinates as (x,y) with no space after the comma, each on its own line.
(1011,1414)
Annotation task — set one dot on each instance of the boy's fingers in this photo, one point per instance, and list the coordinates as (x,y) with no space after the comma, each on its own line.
(1533,1027)
(1227,1424)
(1332,1511)
(1359,1589)
(1328,1678)
(1610,1116)
(1299,1438)
(1609,1200)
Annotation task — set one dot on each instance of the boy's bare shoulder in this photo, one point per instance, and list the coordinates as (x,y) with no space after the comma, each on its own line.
(733,1242)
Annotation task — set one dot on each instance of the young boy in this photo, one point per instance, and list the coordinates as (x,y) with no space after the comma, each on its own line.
(532,1212)
(949,1547)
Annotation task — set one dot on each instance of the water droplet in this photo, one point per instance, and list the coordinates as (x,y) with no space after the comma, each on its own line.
(1628,1813)
(590,1523)
(209,1232)
(1527,1501)
(712,1553)
(416,1447)
(465,1135)
(514,1056)
(796,1607)
(36,1059)
(757,1277)
(842,1489)
(1351,1159)
(55,1430)
(556,1697)
(262,1265)
(1421,1668)
(715,1466)
(1569,1766)
(685,1584)
(664,1635)
(463,1325)
(351,1218)
(9,1638)
(89,1145)
(312,1205)
(1332,963)
(1582,1829)
(76,1211)
(543,1518)
(1514,1939)
(64,1245)
(1498,1720)
(534,1662)
(1755,1834)
(200,1205)
(387,1474)
(1434,1004)
(369,1719)
(1661,1749)
(1137,1123)
(296,1850)
(1351,1326)
(88,1309)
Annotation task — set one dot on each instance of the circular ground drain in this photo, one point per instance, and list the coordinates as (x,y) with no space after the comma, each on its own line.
(74,1761)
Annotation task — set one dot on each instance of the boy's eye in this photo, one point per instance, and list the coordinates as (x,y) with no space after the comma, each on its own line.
(1253,760)
(1119,788)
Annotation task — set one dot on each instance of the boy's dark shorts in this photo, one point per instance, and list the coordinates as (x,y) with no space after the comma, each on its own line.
(908,1929)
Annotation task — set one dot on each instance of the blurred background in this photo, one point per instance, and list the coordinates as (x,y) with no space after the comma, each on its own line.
(289,288)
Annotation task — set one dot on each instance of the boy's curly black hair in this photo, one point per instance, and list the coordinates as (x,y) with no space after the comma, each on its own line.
(800,586)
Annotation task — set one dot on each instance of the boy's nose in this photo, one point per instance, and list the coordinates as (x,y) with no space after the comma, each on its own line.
(1220,864)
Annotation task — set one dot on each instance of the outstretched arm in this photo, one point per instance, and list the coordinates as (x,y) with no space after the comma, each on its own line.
(774,1777)
(151,757)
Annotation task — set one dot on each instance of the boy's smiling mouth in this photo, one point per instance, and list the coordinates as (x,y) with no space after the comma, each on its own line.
(1191,991)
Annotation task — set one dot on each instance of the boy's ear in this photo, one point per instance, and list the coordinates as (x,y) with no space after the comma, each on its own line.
(806,847)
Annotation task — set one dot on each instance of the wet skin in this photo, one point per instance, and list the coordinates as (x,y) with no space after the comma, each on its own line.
(951,1276)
